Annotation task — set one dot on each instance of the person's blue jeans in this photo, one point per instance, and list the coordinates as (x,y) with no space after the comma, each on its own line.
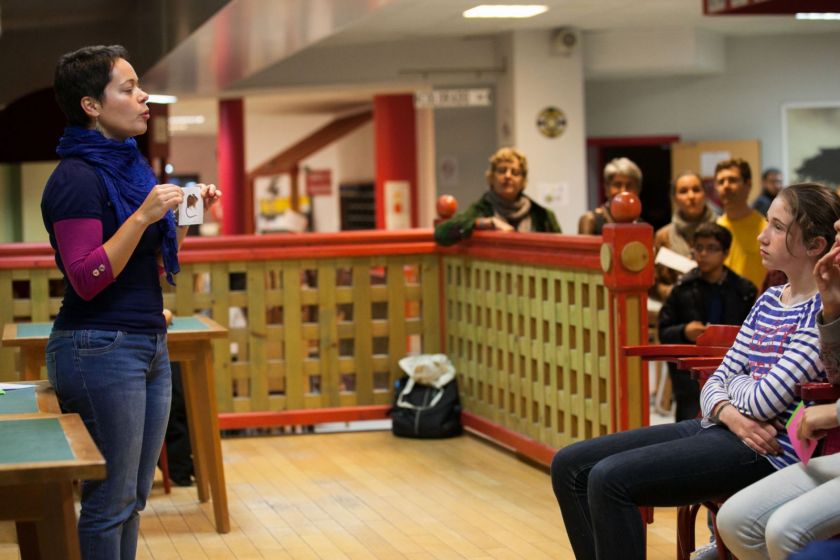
(820,550)
(120,385)
(600,483)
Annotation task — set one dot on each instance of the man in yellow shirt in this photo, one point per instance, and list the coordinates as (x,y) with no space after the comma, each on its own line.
(732,182)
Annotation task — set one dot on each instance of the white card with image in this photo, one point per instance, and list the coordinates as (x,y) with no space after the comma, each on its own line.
(191,209)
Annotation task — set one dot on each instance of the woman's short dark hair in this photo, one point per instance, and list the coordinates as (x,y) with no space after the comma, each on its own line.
(814,208)
(718,232)
(84,73)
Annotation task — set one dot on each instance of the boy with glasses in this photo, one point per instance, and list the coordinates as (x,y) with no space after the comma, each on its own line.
(708,294)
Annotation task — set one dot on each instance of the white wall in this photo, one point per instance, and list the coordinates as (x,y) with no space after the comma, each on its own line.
(350,158)
(9,202)
(744,102)
(464,136)
(538,78)
(195,153)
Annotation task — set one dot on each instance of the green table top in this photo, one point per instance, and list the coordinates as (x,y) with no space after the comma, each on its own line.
(18,401)
(42,330)
(33,441)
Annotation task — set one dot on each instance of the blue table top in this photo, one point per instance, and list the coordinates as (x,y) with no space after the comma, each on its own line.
(18,401)
(42,330)
(33,441)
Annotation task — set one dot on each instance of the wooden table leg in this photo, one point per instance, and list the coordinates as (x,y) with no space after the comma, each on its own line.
(27,537)
(215,466)
(200,394)
(48,507)
(195,411)
(32,360)
(57,534)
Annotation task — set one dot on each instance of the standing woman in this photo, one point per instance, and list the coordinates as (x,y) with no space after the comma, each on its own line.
(600,483)
(690,210)
(114,232)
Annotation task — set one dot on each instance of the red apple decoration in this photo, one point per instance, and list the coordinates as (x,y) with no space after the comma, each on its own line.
(446,206)
(626,207)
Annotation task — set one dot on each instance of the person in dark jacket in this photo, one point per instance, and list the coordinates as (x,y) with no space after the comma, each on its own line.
(708,294)
(504,207)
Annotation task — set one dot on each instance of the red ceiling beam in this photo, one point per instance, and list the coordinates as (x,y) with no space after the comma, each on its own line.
(767,7)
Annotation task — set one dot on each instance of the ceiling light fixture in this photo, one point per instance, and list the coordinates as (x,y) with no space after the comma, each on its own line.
(827,16)
(186,119)
(505,11)
(164,99)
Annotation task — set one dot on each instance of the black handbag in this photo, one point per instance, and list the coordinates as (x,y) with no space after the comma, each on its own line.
(426,411)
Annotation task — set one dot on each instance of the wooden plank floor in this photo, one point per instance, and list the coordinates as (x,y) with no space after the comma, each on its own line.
(368,495)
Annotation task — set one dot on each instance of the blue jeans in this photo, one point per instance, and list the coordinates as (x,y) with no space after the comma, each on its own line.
(820,550)
(600,483)
(120,385)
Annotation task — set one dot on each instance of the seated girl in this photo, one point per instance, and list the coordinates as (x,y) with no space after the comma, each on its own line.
(782,513)
(600,483)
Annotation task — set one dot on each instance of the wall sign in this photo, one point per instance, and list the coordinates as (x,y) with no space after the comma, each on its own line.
(551,122)
(319,182)
(453,98)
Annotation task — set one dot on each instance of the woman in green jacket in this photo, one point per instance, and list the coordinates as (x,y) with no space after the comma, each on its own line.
(504,207)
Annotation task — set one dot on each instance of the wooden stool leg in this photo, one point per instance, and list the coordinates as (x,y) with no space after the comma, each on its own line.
(686,516)
(164,468)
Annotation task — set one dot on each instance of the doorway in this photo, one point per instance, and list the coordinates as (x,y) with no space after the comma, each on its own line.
(653,156)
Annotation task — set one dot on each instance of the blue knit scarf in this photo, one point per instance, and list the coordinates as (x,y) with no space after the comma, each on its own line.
(128,179)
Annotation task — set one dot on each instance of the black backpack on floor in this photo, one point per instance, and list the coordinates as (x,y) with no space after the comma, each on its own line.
(426,410)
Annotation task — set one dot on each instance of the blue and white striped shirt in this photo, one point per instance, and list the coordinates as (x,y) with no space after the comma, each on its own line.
(777,347)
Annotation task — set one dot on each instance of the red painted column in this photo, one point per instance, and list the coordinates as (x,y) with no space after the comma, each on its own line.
(395,144)
(230,145)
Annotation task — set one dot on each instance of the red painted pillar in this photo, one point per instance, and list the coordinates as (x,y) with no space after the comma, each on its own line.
(231,153)
(395,143)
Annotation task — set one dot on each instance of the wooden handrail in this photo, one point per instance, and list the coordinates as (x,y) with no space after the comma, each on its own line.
(579,251)
(526,248)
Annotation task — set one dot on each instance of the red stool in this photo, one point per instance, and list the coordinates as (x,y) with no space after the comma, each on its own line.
(163,463)
(703,357)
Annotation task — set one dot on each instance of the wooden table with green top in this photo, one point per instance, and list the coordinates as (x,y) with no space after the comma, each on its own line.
(41,454)
(189,341)
(33,398)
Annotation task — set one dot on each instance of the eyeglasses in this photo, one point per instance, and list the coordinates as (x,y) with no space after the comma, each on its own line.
(707,249)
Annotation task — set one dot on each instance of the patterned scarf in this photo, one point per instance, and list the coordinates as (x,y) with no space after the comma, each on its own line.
(682,231)
(512,212)
(128,179)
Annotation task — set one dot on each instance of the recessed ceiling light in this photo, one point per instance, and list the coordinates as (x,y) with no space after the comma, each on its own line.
(818,16)
(505,11)
(186,119)
(162,99)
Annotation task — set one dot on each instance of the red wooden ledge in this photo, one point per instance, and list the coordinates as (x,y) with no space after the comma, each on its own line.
(699,362)
(304,417)
(673,351)
(819,391)
(523,445)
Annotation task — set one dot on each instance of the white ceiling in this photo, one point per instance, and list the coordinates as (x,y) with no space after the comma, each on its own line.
(380,21)
(427,18)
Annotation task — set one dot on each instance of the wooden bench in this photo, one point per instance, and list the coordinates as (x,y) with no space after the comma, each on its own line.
(44,451)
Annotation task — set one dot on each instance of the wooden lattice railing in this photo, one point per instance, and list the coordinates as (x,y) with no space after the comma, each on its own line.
(317,322)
